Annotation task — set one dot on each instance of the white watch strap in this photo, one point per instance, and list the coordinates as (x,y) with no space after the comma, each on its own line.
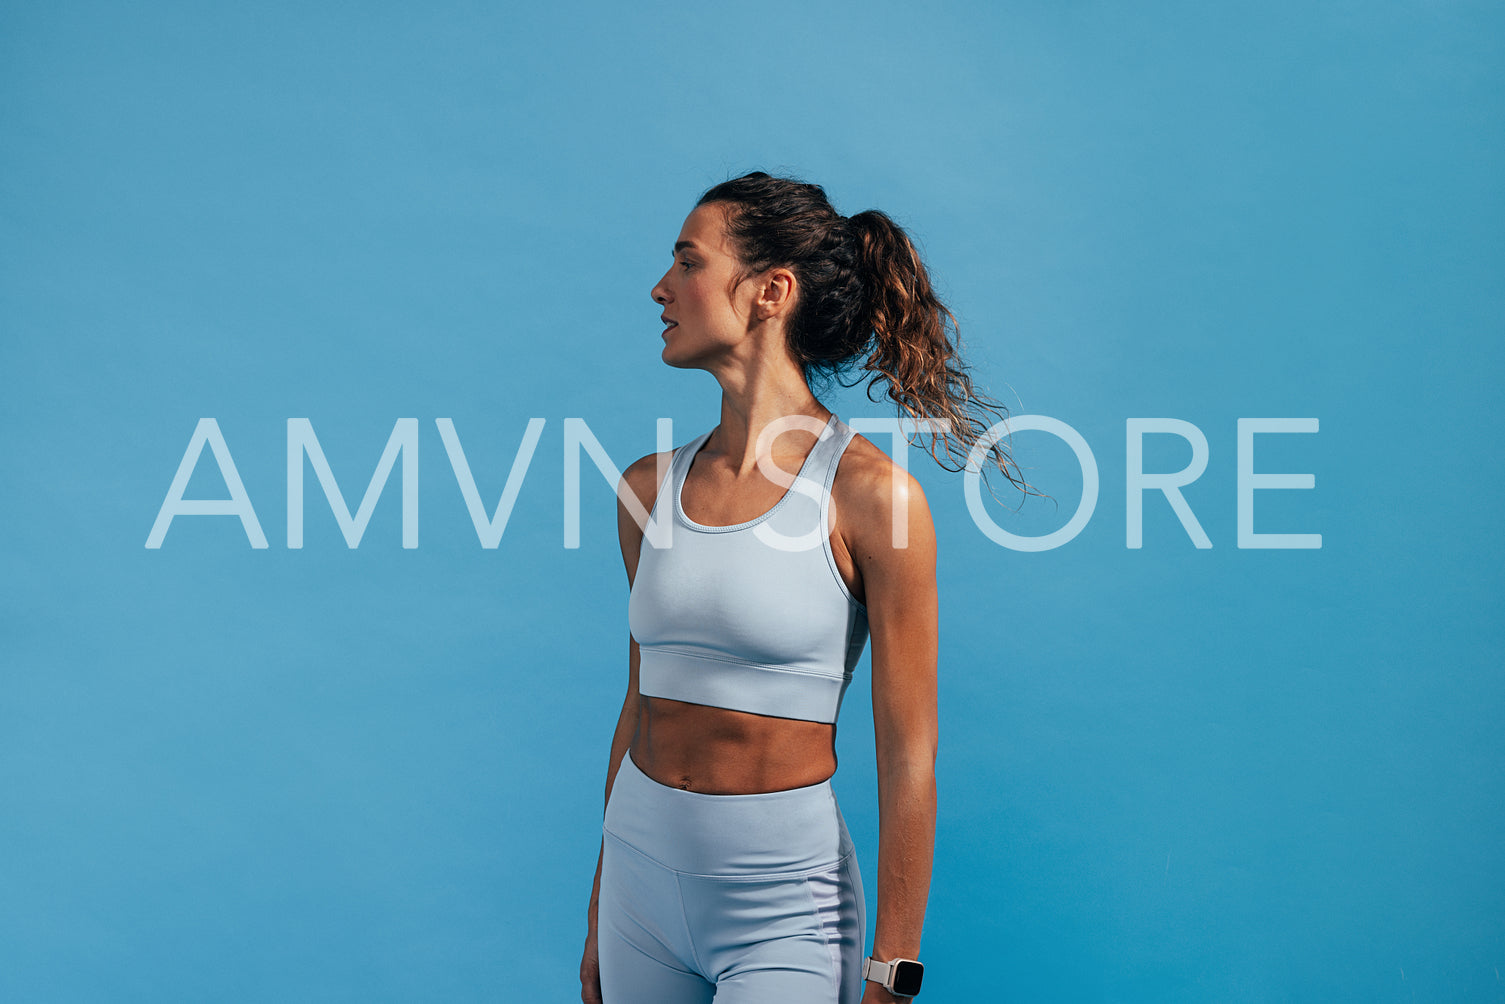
(880,973)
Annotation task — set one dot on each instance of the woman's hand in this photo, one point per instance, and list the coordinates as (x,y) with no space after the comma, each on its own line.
(590,967)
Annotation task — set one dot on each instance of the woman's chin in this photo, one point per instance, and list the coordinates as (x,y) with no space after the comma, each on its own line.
(678,360)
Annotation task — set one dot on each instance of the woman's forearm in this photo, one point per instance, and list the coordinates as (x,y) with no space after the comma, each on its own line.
(906,850)
(621,741)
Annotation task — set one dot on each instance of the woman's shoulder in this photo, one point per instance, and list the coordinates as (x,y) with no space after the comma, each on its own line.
(883,521)
(642,477)
(869,485)
(636,493)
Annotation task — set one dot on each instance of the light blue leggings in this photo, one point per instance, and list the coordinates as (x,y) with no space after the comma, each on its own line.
(740,899)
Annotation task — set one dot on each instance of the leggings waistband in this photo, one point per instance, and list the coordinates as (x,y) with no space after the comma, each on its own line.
(775,832)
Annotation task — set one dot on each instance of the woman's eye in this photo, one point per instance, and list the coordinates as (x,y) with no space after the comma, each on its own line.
(685,265)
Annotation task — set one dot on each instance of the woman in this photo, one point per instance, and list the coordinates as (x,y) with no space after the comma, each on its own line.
(726,871)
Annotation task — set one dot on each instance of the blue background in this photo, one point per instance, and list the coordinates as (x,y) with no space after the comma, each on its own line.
(1166,773)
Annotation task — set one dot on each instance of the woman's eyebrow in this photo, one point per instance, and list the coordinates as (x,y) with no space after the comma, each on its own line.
(681,245)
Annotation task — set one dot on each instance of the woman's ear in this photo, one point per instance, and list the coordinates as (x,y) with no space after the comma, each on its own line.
(775,296)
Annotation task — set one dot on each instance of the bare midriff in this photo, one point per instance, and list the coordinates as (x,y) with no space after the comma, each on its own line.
(717,751)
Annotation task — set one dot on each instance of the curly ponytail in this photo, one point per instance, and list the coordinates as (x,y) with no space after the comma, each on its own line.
(863,291)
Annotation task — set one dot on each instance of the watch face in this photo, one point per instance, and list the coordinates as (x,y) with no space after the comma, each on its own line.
(907,977)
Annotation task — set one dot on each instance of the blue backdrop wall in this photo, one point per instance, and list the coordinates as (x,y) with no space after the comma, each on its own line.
(1168,772)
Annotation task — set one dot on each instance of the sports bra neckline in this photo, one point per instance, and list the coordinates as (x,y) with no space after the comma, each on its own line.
(693,449)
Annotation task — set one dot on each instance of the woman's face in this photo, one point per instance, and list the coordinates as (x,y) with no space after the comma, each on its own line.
(703,314)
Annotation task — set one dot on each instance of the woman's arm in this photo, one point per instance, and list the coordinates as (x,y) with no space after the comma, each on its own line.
(642,479)
(621,739)
(900,591)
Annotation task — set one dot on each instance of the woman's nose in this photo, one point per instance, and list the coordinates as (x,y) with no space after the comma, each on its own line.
(659,293)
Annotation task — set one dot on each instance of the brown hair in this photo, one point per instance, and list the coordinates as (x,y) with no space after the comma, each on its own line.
(863,292)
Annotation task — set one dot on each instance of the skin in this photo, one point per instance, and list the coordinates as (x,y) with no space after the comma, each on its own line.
(736,332)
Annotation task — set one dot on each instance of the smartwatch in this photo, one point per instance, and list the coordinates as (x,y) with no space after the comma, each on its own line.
(900,977)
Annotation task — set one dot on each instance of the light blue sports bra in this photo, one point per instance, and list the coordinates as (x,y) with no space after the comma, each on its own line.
(755,616)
